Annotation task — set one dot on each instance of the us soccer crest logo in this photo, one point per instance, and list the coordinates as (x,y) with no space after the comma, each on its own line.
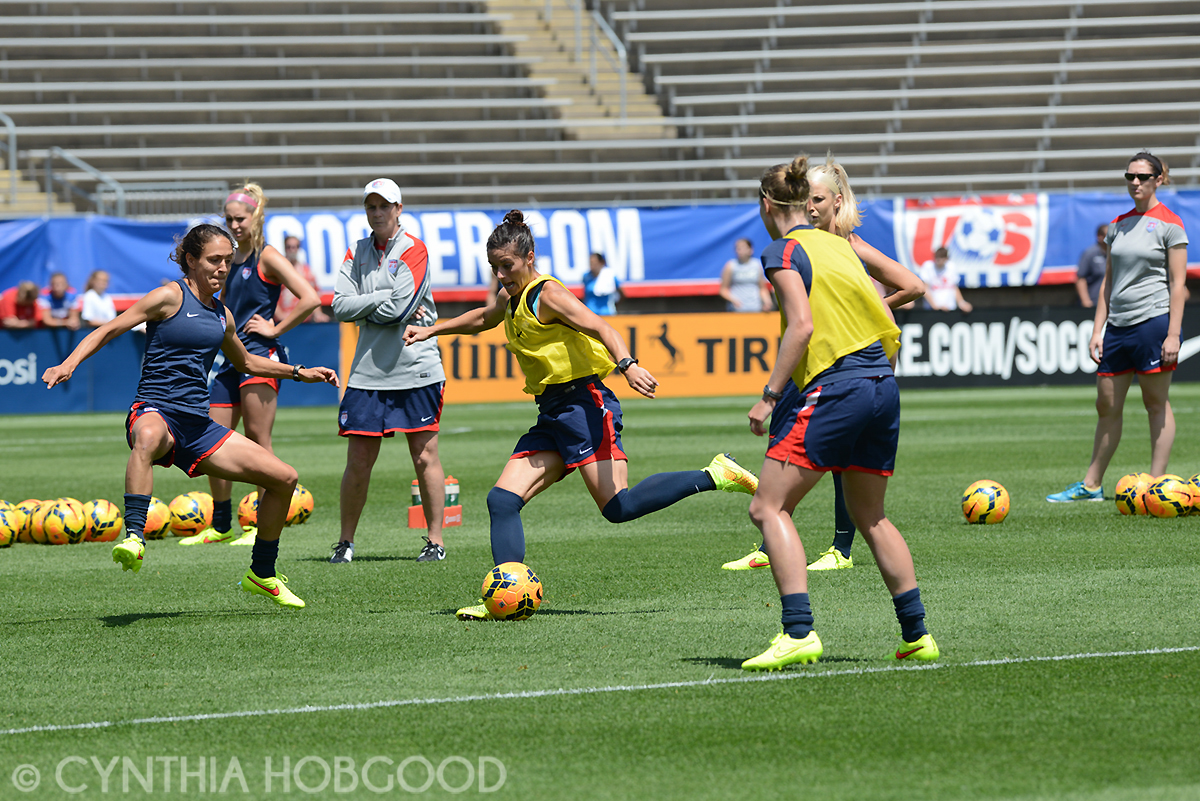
(245,273)
(343,418)
(993,240)
(393,265)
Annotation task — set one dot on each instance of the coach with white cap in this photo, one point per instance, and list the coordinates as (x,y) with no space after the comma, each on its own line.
(384,284)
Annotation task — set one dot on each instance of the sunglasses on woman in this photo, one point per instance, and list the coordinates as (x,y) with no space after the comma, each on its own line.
(1141,176)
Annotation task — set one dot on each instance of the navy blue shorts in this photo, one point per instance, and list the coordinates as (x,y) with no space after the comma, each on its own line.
(1135,347)
(226,387)
(852,424)
(196,436)
(383,412)
(581,420)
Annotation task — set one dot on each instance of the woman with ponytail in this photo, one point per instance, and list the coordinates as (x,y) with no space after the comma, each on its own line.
(834,407)
(169,423)
(833,208)
(251,293)
(565,350)
(1141,302)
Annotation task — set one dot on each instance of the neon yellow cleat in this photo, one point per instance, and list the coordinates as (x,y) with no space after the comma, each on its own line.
(247,538)
(478,612)
(751,561)
(923,650)
(274,588)
(128,553)
(208,535)
(832,560)
(730,476)
(786,650)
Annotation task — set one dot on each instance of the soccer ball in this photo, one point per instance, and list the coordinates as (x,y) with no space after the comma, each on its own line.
(511,591)
(248,510)
(158,519)
(1131,493)
(985,502)
(301,507)
(11,521)
(36,521)
(64,522)
(104,521)
(1169,496)
(189,515)
(28,507)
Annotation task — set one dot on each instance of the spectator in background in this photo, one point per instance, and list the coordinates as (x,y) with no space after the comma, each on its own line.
(601,289)
(287,301)
(941,282)
(60,304)
(98,307)
(19,306)
(743,282)
(1089,275)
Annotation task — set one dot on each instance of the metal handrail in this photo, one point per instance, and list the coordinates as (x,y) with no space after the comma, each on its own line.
(97,198)
(620,63)
(12,157)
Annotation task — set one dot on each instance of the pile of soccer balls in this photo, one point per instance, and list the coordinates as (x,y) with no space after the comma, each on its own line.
(1166,496)
(66,521)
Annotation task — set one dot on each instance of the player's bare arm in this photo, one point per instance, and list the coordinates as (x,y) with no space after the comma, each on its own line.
(277,268)
(483,318)
(157,304)
(246,362)
(889,272)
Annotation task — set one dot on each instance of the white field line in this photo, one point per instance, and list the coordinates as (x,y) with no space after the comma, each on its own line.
(800,674)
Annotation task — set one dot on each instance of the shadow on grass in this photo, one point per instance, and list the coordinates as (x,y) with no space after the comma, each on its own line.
(114,621)
(586,612)
(729,663)
(362,559)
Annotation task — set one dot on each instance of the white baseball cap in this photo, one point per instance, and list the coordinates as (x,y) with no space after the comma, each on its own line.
(384,187)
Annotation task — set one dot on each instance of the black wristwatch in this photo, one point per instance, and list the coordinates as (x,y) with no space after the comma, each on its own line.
(296,368)
(772,394)
(626,363)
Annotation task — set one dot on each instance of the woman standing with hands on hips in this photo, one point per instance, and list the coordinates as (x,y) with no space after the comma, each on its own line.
(250,293)
(1141,300)
(834,407)
(565,350)
(169,423)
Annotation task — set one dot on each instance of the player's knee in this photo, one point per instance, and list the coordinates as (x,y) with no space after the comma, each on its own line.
(614,510)
(759,512)
(501,502)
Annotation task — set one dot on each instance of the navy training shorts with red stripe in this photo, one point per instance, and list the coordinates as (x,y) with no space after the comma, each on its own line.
(852,424)
(1136,347)
(196,436)
(226,387)
(580,420)
(383,412)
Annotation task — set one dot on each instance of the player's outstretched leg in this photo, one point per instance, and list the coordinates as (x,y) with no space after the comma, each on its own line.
(664,489)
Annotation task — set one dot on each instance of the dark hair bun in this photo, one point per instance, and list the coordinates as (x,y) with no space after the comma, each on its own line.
(515,217)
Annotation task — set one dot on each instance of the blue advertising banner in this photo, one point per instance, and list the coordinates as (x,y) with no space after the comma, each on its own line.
(994,240)
(107,381)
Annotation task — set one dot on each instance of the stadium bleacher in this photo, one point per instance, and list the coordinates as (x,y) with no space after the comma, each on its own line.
(494,102)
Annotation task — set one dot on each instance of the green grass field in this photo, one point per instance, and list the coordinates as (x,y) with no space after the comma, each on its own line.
(627,683)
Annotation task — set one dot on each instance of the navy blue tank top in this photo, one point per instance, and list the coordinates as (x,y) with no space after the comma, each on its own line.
(247,293)
(179,353)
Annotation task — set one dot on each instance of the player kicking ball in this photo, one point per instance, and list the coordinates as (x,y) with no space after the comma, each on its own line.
(169,423)
(565,351)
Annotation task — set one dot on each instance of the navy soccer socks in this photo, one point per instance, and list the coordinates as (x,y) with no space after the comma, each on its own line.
(797,615)
(656,492)
(136,508)
(843,525)
(222,515)
(508,534)
(262,557)
(911,614)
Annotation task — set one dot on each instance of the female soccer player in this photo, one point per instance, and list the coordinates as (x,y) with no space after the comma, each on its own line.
(832,207)
(169,423)
(840,412)
(251,293)
(565,351)
(392,387)
(1141,299)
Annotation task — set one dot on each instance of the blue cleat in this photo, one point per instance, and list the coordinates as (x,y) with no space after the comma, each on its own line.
(1076,492)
